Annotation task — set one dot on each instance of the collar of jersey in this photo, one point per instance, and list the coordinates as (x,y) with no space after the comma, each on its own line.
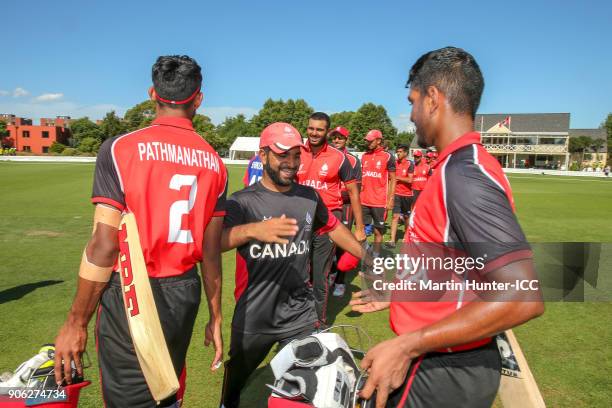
(467,139)
(308,149)
(377,150)
(184,123)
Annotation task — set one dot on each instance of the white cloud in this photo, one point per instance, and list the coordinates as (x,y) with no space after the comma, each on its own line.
(53,108)
(19,92)
(402,123)
(218,114)
(49,97)
(4,93)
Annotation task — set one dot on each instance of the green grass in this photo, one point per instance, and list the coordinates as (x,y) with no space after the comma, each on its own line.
(46,221)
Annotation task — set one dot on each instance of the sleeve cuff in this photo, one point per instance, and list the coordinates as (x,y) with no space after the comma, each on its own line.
(109,201)
(220,213)
(346,183)
(507,259)
(332,223)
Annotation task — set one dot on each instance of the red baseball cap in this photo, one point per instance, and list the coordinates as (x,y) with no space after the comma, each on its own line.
(340,130)
(280,137)
(417,153)
(430,155)
(373,134)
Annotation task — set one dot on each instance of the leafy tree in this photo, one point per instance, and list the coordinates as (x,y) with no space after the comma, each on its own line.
(206,129)
(82,128)
(3,129)
(370,116)
(608,126)
(89,145)
(111,125)
(293,112)
(56,148)
(342,119)
(404,138)
(139,116)
(233,127)
(579,145)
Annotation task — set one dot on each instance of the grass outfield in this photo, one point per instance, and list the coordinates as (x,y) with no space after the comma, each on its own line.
(46,221)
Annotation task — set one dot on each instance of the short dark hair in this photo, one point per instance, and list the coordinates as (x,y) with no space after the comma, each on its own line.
(455,73)
(176,78)
(321,116)
(403,147)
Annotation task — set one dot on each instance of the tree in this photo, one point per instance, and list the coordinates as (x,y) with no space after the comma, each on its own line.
(368,117)
(57,148)
(82,128)
(3,129)
(111,125)
(139,116)
(404,138)
(579,145)
(293,112)
(205,128)
(89,145)
(233,127)
(608,126)
(342,119)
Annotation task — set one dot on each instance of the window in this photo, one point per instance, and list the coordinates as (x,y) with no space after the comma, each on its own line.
(27,149)
(26,133)
(45,149)
(45,134)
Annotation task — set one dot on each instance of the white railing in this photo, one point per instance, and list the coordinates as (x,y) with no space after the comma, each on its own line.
(72,159)
(516,148)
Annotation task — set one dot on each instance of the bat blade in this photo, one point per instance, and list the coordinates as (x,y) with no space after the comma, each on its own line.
(518,387)
(143,319)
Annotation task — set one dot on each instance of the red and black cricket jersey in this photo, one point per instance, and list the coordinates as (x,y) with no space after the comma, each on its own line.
(422,171)
(173,181)
(375,169)
(273,294)
(324,172)
(356,165)
(403,168)
(467,204)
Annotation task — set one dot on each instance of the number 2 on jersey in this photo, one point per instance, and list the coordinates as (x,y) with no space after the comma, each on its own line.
(181,207)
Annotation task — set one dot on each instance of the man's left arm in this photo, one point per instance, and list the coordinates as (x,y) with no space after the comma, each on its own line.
(348,175)
(211,275)
(392,181)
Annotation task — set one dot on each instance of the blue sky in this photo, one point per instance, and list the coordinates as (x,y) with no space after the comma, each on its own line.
(85,58)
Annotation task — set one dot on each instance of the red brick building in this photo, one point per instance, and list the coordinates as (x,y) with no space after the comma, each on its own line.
(26,137)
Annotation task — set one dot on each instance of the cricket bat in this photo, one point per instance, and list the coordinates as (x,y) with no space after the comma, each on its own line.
(145,327)
(518,388)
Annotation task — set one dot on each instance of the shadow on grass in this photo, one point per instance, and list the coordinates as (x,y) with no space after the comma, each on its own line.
(255,393)
(336,304)
(20,291)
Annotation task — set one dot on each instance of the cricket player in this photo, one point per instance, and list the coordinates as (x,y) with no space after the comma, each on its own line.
(420,175)
(324,168)
(254,171)
(377,184)
(175,184)
(339,138)
(402,205)
(444,354)
(272,224)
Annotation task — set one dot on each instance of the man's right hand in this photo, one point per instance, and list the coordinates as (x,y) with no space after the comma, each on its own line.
(274,229)
(69,346)
(363,303)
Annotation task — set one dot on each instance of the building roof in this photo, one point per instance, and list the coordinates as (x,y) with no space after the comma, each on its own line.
(599,133)
(525,122)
